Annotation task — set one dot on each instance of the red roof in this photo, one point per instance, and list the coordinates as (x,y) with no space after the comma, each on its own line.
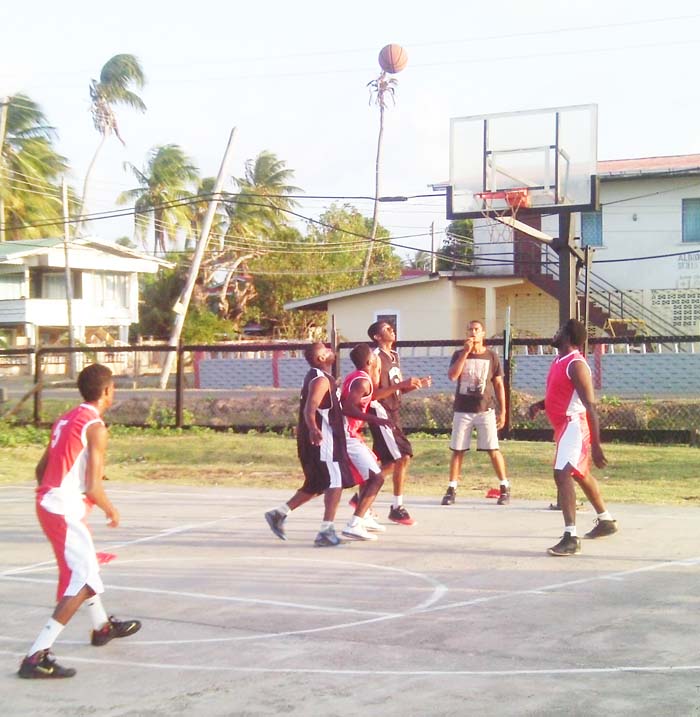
(650,165)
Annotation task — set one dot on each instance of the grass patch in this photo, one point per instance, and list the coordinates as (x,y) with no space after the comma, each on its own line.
(639,474)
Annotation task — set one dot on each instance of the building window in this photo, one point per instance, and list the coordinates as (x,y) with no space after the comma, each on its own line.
(591,228)
(11,286)
(691,220)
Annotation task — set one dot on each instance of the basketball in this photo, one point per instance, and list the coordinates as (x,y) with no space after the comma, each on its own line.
(393,58)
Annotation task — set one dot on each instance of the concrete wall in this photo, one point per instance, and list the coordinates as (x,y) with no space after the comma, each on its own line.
(621,375)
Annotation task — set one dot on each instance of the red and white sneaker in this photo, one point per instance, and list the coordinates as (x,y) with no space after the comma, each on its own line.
(400,515)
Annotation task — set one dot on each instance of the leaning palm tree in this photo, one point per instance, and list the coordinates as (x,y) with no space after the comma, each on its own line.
(117,78)
(163,195)
(30,172)
(379,90)
(254,213)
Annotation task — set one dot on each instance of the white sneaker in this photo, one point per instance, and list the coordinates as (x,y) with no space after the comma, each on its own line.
(358,532)
(372,525)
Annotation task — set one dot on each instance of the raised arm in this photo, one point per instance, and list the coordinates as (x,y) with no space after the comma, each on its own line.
(457,366)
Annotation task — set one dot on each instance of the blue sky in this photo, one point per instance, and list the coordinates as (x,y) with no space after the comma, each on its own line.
(292,78)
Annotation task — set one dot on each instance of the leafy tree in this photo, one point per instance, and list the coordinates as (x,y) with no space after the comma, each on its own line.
(457,251)
(163,183)
(118,77)
(159,292)
(30,172)
(329,258)
(254,214)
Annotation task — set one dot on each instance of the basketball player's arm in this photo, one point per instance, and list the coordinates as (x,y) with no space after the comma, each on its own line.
(501,398)
(581,378)
(41,466)
(534,408)
(352,405)
(408,384)
(318,389)
(456,368)
(96,435)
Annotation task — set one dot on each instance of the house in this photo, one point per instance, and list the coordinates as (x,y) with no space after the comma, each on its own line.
(438,306)
(33,303)
(650,211)
(649,207)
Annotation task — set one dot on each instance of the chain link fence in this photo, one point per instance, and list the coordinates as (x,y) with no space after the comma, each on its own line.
(648,388)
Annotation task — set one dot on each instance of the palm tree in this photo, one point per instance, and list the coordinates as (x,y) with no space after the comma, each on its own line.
(30,171)
(162,195)
(257,211)
(379,90)
(117,78)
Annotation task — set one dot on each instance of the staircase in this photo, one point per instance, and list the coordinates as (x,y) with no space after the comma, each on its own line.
(613,310)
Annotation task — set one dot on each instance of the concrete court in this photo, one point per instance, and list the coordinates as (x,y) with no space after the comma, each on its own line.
(462,614)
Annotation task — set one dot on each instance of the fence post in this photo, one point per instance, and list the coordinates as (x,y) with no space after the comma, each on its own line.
(37,389)
(179,383)
(507,375)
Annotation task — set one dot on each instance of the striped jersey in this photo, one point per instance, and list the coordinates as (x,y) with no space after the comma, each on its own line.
(329,418)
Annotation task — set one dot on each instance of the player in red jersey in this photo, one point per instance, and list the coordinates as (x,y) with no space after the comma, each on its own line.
(355,397)
(69,475)
(570,406)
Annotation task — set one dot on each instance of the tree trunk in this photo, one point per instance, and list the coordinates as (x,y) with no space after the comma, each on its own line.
(81,219)
(375,213)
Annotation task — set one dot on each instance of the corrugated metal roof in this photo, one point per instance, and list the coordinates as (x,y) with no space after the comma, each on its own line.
(674,164)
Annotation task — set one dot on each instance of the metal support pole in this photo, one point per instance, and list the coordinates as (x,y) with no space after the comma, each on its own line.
(567,269)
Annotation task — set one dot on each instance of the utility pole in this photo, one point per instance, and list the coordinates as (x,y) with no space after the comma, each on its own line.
(4,107)
(182,304)
(69,278)
(433,258)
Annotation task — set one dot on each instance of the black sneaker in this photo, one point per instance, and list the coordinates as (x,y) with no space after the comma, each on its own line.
(400,515)
(449,497)
(602,528)
(42,665)
(504,497)
(275,519)
(568,545)
(114,628)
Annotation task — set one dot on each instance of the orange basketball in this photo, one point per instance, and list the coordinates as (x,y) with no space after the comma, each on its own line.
(393,58)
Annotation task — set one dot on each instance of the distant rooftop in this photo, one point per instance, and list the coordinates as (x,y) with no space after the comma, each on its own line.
(644,166)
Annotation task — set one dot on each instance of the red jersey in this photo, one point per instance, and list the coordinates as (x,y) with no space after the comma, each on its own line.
(62,488)
(355,425)
(561,399)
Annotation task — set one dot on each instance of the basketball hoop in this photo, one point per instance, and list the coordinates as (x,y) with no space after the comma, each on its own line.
(502,203)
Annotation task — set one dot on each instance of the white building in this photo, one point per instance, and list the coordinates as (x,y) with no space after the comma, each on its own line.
(649,207)
(33,303)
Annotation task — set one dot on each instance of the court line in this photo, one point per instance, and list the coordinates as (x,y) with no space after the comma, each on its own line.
(617,669)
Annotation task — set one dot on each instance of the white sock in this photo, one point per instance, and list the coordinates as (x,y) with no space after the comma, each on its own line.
(605,515)
(398,501)
(46,638)
(355,520)
(285,509)
(326,524)
(97,613)
(505,483)
(452,484)
(571,530)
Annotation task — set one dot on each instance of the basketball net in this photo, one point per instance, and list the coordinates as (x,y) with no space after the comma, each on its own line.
(515,199)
